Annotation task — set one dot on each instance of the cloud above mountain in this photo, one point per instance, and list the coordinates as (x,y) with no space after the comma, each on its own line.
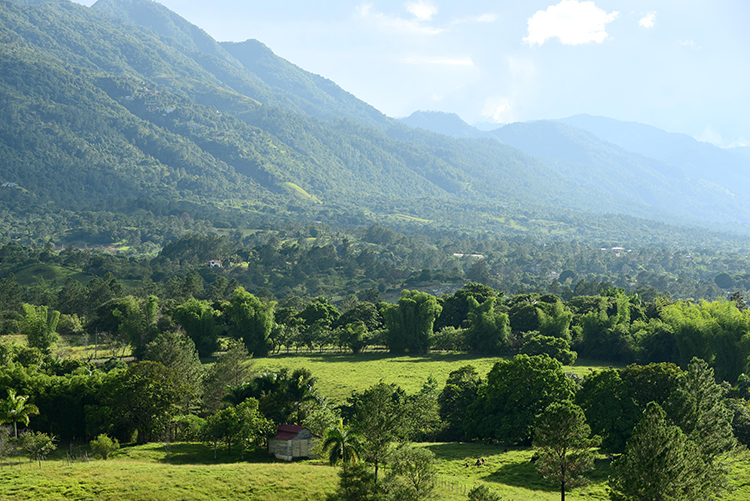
(572,22)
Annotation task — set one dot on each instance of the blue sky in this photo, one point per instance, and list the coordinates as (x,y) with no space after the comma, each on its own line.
(681,65)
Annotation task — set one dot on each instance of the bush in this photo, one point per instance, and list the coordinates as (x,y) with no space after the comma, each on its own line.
(483,493)
(104,446)
(555,347)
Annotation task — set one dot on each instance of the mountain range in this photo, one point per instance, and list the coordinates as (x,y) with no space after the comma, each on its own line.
(126,100)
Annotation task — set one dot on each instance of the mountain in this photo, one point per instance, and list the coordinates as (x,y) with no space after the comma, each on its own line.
(448,124)
(578,154)
(268,78)
(103,115)
(727,168)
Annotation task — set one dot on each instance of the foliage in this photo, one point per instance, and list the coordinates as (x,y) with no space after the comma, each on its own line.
(146,397)
(39,325)
(355,483)
(697,406)
(483,493)
(516,391)
(412,474)
(556,347)
(15,409)
(231,369)
(378,415)
(104,446)
(659,463)
(341,444)
(488,329)
(178,352)
(198,319)
(409,323)
(460,391)
(37,444)
(252,321)
(564,442)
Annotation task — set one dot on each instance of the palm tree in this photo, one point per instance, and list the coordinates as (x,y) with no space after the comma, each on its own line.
(341,445)
(15,409)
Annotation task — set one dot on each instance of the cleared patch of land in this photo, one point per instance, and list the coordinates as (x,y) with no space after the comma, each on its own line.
(145,473)
(340,374)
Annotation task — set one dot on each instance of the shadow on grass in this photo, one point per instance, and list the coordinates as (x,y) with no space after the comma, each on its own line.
(191,453)
(334,357)
(520,475)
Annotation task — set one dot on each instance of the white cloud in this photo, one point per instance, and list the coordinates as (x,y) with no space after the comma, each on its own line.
(648,20)
(711,136)
(498,109)
(422,10)
(571,21)
(395,23)
(484,18)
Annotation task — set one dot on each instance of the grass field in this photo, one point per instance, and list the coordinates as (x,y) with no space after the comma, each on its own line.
(145,473)
(340,374)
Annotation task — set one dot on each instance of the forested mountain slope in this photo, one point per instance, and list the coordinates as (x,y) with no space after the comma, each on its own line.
(102,112)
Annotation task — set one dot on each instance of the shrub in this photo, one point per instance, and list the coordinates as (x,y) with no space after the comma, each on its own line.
(104,446)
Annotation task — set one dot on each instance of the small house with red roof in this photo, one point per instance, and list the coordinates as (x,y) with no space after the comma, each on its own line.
(292,442)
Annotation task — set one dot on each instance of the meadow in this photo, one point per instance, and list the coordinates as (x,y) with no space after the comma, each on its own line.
(145,473)
(339,374)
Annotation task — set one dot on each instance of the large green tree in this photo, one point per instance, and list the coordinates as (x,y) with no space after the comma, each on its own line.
(409,322)
(146,397)
(659,463)
(698,407)
(252,321)
(516,392)
(564,442)
(39,325)
(378,415)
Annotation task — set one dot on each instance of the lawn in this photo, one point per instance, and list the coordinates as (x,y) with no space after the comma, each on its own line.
(145,473)
(340,374)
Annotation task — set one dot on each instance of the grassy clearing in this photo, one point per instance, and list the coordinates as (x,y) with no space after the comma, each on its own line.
(340,374)
(145,473)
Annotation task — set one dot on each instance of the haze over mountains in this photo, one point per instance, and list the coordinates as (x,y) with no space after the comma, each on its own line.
(127,100)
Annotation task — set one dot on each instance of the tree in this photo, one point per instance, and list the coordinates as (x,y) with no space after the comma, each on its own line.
(516,392)
(252,321)
(356,483)
(412,473)
(146,397)
(15,409)
(178,352)
(198,319)
(698,407)
(659,463)
(409,323)
(378,416)
(341,444)
(104,446)
(230,370)
(564,442)
(460,391)
(489,329)
(556,347)
(39,325)
(38,445)
(557,323)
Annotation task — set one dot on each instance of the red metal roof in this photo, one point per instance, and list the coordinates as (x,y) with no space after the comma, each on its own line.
(287,431)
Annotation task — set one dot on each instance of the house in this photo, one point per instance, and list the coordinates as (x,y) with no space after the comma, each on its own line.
(292,442)
(214,263)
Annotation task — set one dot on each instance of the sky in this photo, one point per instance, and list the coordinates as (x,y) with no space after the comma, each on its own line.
(680,65)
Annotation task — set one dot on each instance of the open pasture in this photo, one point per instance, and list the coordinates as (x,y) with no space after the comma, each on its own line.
(145,473)
(339,374)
